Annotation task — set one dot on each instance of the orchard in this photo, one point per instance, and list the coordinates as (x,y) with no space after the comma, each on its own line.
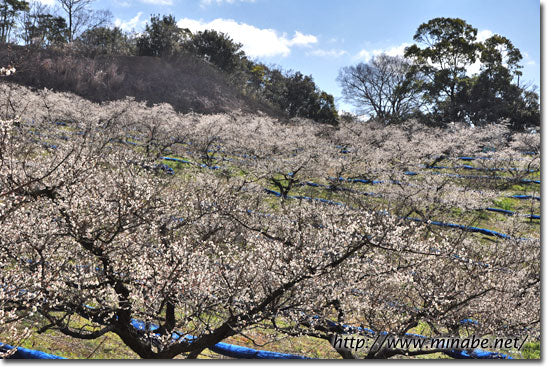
(207,228)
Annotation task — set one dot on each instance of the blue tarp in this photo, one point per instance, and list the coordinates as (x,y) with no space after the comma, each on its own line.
(485,231)
(226,349)
(23,353)
(525,197)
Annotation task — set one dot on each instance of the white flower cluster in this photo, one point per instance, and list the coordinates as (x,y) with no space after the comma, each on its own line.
(7,71)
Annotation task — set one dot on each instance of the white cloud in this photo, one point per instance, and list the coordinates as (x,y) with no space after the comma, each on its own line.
(332,53)
(302,40)
(158,2)
(528,60)
(334,40)
(481,36)
(130,24)
(257,42)
(48,2)
(366,55)
(484,35)
(474,68)
(123,3)
(220,2)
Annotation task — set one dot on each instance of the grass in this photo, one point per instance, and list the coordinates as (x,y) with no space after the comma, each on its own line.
(110,347)
(504,203)
(53,342)
(531,350)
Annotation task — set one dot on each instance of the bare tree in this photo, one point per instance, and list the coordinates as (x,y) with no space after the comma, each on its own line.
(80,15)
(381,88)
(30,19)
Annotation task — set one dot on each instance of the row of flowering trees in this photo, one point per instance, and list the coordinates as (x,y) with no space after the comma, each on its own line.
(96,236)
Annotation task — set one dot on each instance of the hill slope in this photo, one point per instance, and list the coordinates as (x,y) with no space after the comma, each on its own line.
(187,83)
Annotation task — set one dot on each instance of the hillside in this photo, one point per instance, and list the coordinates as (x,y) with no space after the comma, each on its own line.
(187,83)
(191,220)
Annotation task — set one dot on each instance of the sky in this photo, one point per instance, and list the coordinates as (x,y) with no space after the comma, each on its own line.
(319,37)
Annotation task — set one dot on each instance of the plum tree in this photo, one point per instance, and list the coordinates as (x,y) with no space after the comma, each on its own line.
(96,238)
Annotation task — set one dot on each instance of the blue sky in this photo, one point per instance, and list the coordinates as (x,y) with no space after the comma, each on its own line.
(318,37)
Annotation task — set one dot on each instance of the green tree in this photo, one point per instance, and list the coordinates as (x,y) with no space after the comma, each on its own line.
(219,49)
(300,95)
(327,110)
(527,111)
(297,95)
(256,76)
(53,29)
(449,48)
(498,53)
(103,40)
(162,37)
(275,88)
(493,94)
(8,12)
